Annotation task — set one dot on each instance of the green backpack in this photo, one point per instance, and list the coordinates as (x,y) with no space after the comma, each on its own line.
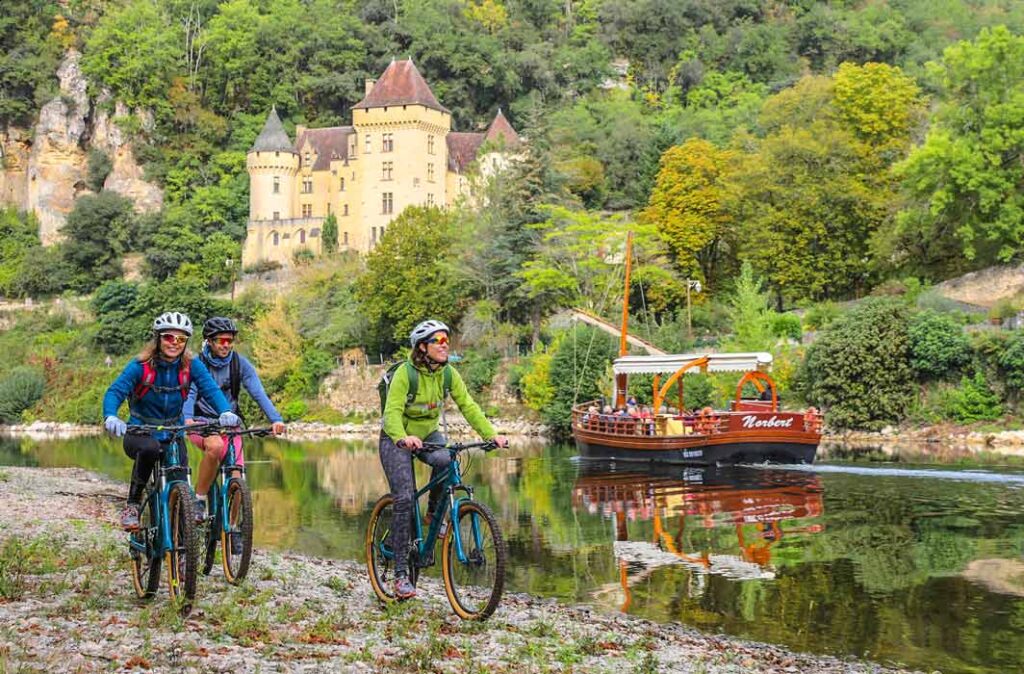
(414,382)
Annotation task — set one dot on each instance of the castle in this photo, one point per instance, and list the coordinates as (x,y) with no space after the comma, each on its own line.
(399,151)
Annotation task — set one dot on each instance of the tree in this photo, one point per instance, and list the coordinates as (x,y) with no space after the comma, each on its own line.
(329,235)
(577,371)
(965,179)
(409,276)
(29,54)
(859,369)
(749,313)
(19,247)
(687,205)
(97,232)
(278,346)
(939,349)
(98,169)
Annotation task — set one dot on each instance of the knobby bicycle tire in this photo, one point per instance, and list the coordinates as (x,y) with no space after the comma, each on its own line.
(145,563)
(183,557)
(380,568)
(474,587)
(240,518)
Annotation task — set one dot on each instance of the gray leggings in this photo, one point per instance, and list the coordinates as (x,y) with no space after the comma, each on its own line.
(398,468)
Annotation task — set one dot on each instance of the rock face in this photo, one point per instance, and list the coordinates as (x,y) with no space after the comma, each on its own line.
(45,170)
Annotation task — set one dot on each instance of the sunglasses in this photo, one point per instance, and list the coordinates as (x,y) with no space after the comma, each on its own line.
(173,339)
(439,339)
(223,341)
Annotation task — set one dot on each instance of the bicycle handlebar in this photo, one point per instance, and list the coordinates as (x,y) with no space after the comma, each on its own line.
(486,445)
(149,429)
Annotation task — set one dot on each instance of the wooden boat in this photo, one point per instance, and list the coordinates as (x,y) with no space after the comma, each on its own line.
(750,431)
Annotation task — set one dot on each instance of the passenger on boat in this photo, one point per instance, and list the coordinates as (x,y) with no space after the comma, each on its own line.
(590,417)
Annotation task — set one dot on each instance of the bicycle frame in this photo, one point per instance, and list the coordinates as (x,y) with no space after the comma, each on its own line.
(170,460)
(228,465)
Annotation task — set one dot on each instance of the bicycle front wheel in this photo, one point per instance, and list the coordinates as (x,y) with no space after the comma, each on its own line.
(475,580)
(380,555)
(212,529)
(183,557)
(142,547)
(236,539)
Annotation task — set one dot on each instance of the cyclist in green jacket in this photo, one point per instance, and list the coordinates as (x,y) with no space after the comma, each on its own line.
(408,424)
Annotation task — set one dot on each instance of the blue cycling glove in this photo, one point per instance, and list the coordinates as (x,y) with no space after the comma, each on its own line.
(229,419)
(115,426)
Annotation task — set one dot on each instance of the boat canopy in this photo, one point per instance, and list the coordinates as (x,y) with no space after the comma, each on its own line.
(716,362)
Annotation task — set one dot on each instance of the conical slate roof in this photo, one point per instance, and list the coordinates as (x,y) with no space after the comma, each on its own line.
(401,84)
(273,137)
(500,128)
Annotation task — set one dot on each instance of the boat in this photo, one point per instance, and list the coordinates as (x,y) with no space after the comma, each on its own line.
(666,516)
(751,430)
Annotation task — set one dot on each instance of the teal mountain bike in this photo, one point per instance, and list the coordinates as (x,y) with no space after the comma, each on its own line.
(167,528)
(473,555)
(231,519)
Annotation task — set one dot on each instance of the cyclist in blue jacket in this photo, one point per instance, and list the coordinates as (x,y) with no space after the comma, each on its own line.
(232,371)
(156,384)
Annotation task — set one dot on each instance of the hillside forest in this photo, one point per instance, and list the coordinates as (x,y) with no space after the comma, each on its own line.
(817,166)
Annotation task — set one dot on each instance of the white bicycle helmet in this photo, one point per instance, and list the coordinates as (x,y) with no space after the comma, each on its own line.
(426,329)
(173,320)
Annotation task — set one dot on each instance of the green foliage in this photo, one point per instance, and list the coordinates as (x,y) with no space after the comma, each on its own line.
(973,401)
(30,46)
(751,318)
(478,368)
(859,369)
(98,169)
(408,276)
(20,389)
(98,232)
(329,235)
(19,249)
(787,326)
(538,390)
(939,349)
(1009,355)
(577,373)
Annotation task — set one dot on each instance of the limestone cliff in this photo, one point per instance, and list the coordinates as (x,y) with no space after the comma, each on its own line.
(44,170)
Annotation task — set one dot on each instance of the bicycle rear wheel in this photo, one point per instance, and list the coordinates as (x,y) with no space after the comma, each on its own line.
(212,529)
(380,556)
(474,586)
(236,540)
(183,557)
(142,547)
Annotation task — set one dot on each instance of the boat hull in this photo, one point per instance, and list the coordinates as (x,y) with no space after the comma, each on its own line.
(724,448)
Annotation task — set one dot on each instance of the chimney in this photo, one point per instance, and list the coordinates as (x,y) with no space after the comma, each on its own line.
(369,86)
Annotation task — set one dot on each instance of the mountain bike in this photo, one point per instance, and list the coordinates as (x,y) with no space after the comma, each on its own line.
(231,517)
(167,529)
(473,555)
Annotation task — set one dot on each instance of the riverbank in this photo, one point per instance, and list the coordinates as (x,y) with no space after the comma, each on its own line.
(66,604)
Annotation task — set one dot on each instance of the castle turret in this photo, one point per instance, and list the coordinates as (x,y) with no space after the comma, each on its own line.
(272,163)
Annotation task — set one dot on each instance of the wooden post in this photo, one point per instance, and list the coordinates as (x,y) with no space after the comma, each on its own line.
(622,380)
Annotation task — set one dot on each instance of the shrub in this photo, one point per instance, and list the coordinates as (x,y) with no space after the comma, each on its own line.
(20,390)
(938,346)
(1004,308)
(294,410)
(820,315)
(535,383)
(302,256)
(262,267)
(859,369)
(1009,356)
(787,326)
(974,401)
(478,369)
(98,170)
(577,371)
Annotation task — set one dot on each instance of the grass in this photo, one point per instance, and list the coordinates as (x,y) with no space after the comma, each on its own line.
(243,615)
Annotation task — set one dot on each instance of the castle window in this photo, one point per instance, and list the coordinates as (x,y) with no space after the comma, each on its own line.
(277,184)
(307,210)
(276,238)
(430,172)
(387,142)
(373,235)
(314,233)
(345,241)
(302,236)
(368,144)
(307,185)
(430,200)
(386,169)
(328,208)
(352,147)
(430,144)
(344,209)
(387,202)
(277,215)
(307,158)
(341,185)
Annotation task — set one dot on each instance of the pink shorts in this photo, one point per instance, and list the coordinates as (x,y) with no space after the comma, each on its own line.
(197,440)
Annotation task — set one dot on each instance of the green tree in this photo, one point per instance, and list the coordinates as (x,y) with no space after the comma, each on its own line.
(968,209)
(939,349)
(98,169)
(329,235)
(974,400)
(409,276)
(19,248)
(577,373)
(749,313)
(859,369)
(98,231)
(29,52)
(687,205)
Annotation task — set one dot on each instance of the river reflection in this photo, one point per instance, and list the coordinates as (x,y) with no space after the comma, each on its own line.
(916,565)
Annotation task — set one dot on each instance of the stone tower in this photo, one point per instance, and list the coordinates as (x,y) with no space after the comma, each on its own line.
(272,163)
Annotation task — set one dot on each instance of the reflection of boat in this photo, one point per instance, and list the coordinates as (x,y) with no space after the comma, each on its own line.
(752,430)
(685,505)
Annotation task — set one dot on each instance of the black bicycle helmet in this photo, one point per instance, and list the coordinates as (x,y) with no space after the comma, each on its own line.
(217,325)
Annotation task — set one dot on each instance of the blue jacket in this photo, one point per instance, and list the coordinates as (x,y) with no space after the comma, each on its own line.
(164,406)
(220,368)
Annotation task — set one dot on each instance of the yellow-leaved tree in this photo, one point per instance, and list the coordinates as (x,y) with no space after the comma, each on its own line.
(277,346)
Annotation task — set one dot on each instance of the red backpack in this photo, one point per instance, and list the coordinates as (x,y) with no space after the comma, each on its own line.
(149,376)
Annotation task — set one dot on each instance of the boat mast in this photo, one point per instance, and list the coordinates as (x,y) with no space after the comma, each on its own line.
(621,380)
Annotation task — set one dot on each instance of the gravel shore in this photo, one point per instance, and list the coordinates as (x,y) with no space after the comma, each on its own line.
(66,604)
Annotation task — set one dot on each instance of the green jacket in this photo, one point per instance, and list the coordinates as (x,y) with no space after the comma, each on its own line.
(421,417)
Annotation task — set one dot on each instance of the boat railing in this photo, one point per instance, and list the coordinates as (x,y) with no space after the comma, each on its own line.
(702,423)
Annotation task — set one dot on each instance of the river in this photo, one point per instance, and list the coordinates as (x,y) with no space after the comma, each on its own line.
(910,564)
